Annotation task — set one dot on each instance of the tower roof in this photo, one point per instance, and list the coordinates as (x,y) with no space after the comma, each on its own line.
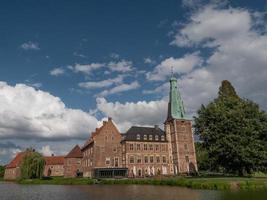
(175,106)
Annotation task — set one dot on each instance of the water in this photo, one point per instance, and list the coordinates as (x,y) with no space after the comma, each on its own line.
(12,191)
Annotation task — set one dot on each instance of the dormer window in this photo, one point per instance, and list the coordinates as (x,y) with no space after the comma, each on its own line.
(145,137)
(156,137)
(150,137)
(162,138)
(138,136)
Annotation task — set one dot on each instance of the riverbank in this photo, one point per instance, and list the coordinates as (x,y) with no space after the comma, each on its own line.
(228,183)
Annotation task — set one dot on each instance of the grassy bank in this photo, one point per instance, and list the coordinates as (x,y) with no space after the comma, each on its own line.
(58,181)
(226,183)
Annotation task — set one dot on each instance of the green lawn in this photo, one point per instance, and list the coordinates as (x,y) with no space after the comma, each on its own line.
(59,181)
(221,183)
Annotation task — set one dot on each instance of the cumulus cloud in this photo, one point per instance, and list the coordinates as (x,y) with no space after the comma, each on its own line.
(120,66)
(87,68)
(57,71)
(30,46)
(238,54)
(134,113)
(46,150)
(120,88)
(8,150)
(101,84)
(27,113)
(178,65)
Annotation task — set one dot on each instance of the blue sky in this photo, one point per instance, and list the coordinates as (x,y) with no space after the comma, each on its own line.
(67,65)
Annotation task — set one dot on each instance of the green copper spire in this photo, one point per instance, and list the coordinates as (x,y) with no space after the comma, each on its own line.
(175,107)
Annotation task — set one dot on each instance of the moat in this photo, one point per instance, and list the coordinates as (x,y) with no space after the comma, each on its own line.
(12,191)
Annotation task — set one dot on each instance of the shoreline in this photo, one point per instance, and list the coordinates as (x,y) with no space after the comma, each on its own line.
(218,183)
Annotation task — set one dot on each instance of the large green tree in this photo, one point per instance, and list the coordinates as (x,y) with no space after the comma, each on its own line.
(234,132)
(32,165)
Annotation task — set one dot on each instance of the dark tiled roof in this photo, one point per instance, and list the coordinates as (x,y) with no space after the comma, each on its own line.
(54,160)
(75,153)
(134,131)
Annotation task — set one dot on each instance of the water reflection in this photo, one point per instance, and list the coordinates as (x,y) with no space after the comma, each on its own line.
(10,191)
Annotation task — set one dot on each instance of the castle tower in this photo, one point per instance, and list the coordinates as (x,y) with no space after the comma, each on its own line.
(179,134)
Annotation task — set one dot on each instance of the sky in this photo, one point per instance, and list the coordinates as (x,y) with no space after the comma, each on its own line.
(65,66)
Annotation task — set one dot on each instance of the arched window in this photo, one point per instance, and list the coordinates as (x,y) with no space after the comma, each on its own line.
(162,138)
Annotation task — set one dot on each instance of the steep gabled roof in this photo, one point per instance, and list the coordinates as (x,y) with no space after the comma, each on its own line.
(75,153)
(16,162)
(131,134)
(54,160)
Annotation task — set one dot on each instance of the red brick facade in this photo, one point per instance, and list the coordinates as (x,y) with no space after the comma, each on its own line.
(103,149)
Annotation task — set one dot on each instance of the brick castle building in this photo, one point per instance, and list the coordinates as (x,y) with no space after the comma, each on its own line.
(143,151)
(140,152)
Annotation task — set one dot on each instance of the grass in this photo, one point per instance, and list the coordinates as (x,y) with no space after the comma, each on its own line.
(233,183)
(211,183)
(1,178)
(58,181)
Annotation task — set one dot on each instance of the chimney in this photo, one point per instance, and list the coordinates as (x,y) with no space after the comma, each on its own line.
(109,119)
(52,155)
(156,126)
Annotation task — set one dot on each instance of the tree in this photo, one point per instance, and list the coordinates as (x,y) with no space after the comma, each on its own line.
(2,171)
(234,132)
(203,162)
(32,165)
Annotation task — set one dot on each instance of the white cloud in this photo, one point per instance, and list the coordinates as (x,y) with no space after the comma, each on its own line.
(30,46)
(26,113)
(238,54)
(46,150)
(57,71)
(114,55)
(120,88)
(149,61)
(87,68)
(101,84)
(179,65)
(120,66)
(131,113)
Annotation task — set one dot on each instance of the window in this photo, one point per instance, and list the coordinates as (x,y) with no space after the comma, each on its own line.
(139,160)
(151,159)
(138,136)
(156,137)
(106,137)
(145,137)
(131,147)
(164,159)
(162,147)
(138,147)
(145,147)
(187,158)
(151,147)
(150,137)
(146,159)
(158,159)
(157,147)
(107,161)
(162,138)
(183,128)
(114,149)
(112,137)
(131,159)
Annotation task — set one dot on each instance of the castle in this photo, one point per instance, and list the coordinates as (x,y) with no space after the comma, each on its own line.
(140,152)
